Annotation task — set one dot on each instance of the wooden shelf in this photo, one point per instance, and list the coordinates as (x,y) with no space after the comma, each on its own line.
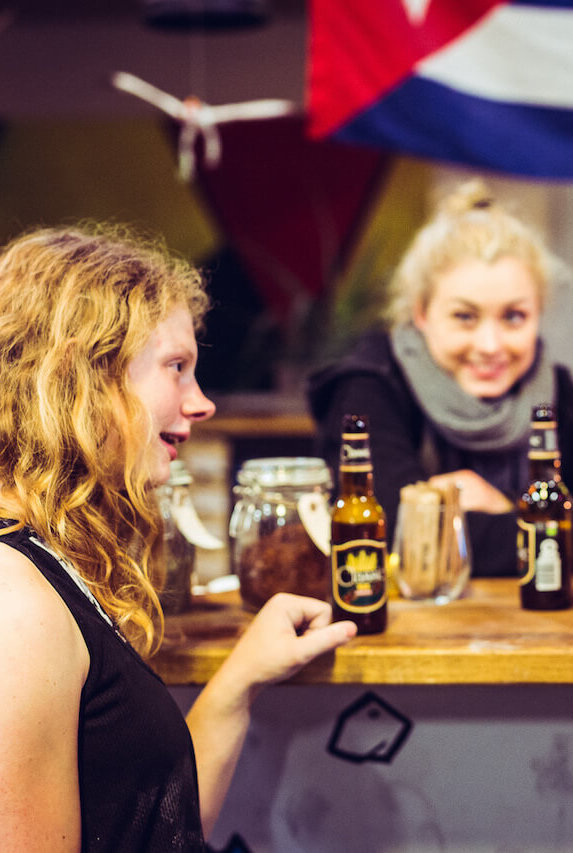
(237,425)
(252,414)
(483,638)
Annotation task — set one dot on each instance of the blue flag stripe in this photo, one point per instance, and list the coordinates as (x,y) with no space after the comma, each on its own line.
(545,4)
(431,120)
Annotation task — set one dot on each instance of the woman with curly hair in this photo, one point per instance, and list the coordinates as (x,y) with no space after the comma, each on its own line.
(97,369)
(449,377)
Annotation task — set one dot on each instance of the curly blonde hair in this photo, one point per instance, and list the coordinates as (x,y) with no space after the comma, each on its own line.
(76,305)
(468,224)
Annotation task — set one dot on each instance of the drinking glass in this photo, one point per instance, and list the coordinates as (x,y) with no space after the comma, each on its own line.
(430,556)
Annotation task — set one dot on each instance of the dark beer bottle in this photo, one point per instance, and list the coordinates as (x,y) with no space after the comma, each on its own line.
(358,543)
(544,521)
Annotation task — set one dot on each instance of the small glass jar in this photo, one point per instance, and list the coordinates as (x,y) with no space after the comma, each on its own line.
(179,552)
(280,528)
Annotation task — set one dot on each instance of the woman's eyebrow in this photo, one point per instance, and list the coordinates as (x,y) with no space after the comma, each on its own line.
(513,303)
(460,300)
(173,349)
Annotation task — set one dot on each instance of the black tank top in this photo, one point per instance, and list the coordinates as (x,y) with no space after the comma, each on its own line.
(137,773)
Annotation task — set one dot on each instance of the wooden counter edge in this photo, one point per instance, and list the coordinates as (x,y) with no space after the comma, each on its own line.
(413,667)
(502,644)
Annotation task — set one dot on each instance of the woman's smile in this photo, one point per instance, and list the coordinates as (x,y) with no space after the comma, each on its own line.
(487,369)
(170,441)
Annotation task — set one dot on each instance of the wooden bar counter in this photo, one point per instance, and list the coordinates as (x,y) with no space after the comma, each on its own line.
(483,638)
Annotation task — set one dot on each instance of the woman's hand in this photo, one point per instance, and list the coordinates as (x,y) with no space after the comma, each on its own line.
(476,494)
(285,635)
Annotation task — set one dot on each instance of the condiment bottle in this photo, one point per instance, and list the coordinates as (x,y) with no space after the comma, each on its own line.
(358,535)
(544,521)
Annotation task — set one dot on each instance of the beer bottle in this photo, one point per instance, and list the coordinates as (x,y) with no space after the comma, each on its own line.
(544,521)
(358,540)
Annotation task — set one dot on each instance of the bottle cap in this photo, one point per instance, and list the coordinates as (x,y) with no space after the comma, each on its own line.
(355,423)
(179,474)
(543,412)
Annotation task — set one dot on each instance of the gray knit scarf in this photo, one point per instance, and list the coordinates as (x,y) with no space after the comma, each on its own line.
(469,422)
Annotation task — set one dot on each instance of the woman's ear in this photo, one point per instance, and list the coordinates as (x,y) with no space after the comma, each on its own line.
(419,316)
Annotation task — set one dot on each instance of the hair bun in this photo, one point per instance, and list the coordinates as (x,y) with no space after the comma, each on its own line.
(470,195)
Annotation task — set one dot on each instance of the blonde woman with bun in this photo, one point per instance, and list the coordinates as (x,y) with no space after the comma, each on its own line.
(449,376)
(98,352)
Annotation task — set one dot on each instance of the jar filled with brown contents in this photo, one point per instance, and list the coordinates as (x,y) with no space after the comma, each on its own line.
(280,528)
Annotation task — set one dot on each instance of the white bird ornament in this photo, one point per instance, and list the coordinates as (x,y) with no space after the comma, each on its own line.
(199,119)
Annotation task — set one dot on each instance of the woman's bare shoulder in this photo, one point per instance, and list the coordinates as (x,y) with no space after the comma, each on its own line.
(43,666)
(34,620)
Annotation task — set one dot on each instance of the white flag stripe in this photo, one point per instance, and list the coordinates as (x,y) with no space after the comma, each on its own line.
(516,53)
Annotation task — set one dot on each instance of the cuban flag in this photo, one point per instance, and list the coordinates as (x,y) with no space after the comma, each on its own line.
(482,83)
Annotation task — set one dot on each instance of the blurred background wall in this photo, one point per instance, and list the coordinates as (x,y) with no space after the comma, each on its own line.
(294,235)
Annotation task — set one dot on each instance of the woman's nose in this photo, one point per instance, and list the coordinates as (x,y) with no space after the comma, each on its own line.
(487,337)
(197,406)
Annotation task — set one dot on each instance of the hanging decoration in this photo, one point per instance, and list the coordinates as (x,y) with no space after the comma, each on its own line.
(198,119)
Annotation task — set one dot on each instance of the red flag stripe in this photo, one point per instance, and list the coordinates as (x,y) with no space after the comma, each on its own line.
(360,50)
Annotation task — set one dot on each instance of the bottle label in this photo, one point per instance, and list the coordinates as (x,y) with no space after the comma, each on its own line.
(543,442)
(538,554)
(355,452)
(359,575)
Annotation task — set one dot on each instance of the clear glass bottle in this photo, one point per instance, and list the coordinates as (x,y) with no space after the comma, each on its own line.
(280,528)
(179,552)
